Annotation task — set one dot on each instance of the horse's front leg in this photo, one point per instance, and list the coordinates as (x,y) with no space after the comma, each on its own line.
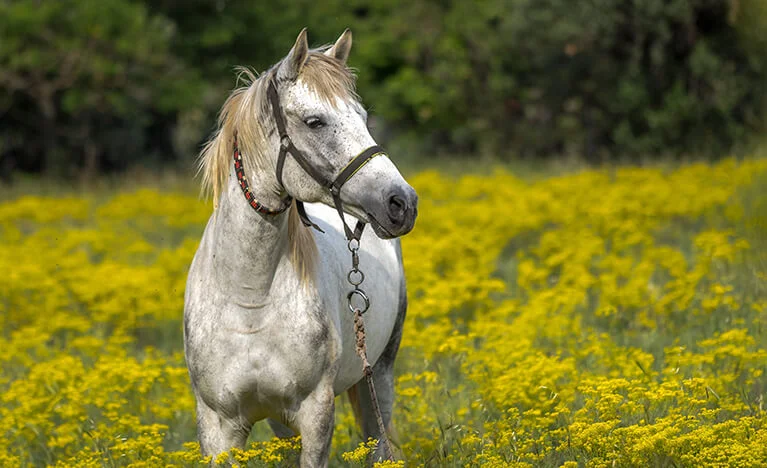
(314,420)
(218,433)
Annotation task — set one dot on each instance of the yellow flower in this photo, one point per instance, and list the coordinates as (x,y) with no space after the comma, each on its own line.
(613,317)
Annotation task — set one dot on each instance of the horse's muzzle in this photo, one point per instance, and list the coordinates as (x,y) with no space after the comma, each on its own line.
(394,215)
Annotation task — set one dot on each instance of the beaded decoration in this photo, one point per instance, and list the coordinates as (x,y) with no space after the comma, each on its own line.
(255,204)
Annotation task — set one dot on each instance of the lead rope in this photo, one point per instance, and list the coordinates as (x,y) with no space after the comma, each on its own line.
(355,277)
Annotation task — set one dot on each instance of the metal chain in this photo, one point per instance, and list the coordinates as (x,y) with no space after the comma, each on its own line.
(355,277)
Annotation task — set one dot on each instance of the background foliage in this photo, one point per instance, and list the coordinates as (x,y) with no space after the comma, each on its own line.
(92,86)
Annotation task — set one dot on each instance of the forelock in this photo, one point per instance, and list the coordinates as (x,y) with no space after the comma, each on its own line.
(329,78)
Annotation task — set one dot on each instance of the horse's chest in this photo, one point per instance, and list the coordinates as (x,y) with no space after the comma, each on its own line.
(277,366)
(303,343)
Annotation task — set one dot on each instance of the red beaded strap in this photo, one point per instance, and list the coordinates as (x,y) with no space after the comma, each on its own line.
(255,204)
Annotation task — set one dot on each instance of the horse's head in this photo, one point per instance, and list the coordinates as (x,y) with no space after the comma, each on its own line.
(327,124)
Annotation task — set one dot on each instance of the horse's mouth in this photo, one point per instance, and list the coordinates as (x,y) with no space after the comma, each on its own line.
(395,219)
(390,231)
(380,231)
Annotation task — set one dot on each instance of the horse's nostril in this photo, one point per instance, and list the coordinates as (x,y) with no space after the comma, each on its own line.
(397,208)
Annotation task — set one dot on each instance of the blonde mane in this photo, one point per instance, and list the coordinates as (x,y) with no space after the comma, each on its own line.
(248,113)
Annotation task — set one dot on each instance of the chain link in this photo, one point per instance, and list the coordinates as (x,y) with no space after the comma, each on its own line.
(355,277)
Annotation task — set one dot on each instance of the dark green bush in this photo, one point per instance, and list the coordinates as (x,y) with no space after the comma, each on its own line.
(105,84)
(540,77)
(83,84)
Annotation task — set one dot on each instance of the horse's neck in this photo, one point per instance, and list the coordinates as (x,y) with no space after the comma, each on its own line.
(248,246)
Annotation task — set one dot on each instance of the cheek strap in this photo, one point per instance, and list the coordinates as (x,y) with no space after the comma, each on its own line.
(334,186)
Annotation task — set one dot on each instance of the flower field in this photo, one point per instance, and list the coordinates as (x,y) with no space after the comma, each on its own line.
(613,317)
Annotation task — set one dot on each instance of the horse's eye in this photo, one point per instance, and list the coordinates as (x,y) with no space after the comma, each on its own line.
(314,122)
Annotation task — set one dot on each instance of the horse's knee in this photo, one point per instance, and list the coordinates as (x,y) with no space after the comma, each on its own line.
(315,420)
(217,433)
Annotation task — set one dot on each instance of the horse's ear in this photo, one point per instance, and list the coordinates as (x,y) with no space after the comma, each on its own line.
(296,58)
(342,47)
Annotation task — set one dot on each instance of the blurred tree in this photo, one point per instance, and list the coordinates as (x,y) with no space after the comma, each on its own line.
(86,77)
(550,76)
(216,36)
(117,82)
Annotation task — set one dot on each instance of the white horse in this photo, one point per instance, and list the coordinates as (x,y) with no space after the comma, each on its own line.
(267,328)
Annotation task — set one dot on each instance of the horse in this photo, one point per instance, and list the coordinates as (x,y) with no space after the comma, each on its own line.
(268,332)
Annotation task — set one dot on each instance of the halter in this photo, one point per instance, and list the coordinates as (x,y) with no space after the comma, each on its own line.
(287,147)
